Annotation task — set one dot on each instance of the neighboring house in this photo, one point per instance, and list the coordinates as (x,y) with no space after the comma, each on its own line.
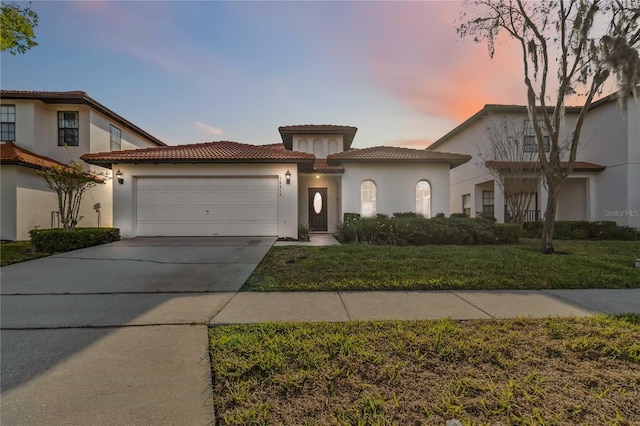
(604,185)
(313,177)
(41,129)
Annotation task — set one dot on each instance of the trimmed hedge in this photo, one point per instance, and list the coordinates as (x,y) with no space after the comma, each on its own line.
(420,231)
(59,240)
(583,230)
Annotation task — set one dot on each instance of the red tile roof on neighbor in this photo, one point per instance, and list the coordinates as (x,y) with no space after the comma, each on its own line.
(578,166)
(208,152)
(78,97)
(12,154)
(395,154)
(287,132)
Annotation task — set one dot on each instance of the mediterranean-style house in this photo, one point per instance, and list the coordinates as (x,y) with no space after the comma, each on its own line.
(312,178)
(42,129)
(604,184)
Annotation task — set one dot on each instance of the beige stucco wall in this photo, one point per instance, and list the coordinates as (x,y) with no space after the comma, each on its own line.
(34,202)
(332,183)
(395,186)
(124,196)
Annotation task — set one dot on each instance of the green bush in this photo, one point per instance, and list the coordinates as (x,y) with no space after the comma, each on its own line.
(583,230)
(507,233)
(303,232)
(59,240)
(420,231)
(404,215)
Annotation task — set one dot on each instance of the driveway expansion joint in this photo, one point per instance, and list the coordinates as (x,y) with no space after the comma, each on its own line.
(109,259)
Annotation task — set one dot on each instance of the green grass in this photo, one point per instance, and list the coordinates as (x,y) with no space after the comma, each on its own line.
(579,264)
(549,371)
(19,251)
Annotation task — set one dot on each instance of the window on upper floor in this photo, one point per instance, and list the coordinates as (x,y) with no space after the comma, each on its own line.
(68,124)
(423,198)
(530,138)
(116,138)
(368,199)
(7,123)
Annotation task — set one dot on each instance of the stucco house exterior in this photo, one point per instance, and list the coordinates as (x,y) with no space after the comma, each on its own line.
(34,129)
(312,177)
(604,185)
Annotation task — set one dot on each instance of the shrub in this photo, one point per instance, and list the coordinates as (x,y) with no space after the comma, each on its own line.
(59,240)
(405,215)
(459,215)
(507,233)
(583,230)
(421,231)
(303,232)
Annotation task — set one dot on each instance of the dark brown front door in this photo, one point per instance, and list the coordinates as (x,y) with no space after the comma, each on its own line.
(317,209)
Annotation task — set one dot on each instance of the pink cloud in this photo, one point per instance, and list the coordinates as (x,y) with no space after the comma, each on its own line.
(207,129)
(412,143)
(416,56)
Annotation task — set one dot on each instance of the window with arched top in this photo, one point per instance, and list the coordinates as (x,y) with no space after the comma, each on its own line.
(368,198)
(318,149)
(303,145)
(423,198)
(333,146)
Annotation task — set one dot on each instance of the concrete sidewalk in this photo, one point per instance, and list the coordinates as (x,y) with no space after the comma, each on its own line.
(252,307)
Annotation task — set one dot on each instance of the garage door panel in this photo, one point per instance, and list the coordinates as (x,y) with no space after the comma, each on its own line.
(183,206)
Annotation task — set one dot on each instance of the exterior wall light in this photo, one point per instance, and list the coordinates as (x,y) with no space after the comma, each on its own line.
(120,177)
(287,176)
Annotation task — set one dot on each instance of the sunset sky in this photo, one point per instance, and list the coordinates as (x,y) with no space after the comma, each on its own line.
(190,72)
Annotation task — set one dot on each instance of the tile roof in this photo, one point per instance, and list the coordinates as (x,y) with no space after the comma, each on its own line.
(78,97)
(12,154)
(287,132)
(397,154)
(208,152)
(578,166)
(321,166)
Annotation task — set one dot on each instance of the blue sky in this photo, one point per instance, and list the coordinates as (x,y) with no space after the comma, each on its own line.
(195,71)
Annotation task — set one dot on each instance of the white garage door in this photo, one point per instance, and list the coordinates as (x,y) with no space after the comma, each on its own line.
(202,206)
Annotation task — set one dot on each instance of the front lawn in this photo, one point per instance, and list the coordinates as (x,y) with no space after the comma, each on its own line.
(578,264)
(551,371)
(18,251)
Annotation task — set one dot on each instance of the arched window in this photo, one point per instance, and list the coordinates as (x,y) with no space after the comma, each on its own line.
(367,198)
(423,198)
(333,146)
(303,146)
(318,149)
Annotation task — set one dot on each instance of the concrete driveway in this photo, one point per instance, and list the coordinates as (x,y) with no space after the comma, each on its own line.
(116,334)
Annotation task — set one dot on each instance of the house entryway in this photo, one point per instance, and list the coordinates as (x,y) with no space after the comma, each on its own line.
(317,209)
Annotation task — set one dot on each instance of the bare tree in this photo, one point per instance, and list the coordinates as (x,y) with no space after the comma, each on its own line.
(511,159)
(69,182)
(568,48)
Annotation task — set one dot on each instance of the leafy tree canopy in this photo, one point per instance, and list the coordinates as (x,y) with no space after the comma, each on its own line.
(16,28)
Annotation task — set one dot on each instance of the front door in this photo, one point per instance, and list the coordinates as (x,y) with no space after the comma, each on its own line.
(317,209)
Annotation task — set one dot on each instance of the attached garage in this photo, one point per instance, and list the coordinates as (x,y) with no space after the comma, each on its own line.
(206,205)
(207,189)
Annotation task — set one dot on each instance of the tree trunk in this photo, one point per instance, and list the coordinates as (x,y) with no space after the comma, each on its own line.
(550,216)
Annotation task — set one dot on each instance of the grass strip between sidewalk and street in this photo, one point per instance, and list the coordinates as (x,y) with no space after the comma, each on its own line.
(526,371)
(576,264)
